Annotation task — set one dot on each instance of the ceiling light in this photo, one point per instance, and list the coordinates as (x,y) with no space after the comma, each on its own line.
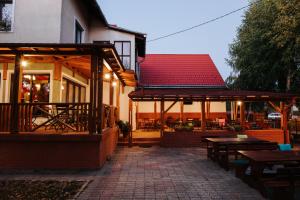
(107,76)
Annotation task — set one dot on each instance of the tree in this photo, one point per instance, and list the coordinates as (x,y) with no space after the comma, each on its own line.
(267,44)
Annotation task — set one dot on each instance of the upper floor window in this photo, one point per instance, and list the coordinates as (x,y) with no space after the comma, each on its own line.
(78,32)
(6,15)
(124,50)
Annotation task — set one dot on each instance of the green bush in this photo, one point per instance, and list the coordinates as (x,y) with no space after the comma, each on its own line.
(124,127)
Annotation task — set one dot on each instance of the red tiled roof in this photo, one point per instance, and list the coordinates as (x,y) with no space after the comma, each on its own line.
(195,70)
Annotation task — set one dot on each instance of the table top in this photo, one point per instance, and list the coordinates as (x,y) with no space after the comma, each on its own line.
(235,140)
(271,155)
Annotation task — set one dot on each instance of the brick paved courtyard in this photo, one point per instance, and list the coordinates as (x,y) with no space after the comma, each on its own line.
(155,173)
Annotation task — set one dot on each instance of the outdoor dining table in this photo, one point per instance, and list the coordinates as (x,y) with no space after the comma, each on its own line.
(260,159)
(215,145)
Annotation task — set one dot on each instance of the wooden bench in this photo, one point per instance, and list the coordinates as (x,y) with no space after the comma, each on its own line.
(232,150)
(285,185)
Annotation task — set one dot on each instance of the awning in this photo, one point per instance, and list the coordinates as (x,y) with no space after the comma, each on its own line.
(200,94)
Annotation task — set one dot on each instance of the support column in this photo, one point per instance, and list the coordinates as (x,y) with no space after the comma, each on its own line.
(96,88)
(4,76)
(284,122)
(130,123)
(136,114)
(57,82)
(162,117)
(100,94)
(181,110)
(203,120)
(118,99)
(242,113)
(155,110)
(111,90)
(14,125)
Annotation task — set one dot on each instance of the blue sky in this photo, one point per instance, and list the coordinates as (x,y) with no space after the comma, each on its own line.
(160,17)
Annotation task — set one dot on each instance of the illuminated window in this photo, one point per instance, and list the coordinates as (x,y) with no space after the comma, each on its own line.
(6,15)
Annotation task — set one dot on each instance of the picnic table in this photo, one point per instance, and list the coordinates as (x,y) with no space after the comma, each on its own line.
(260,159)
(219,149)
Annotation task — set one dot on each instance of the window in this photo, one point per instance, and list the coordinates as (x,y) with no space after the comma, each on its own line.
(35,88)
(78,32)
(124,50)
(72,92)
(6,15)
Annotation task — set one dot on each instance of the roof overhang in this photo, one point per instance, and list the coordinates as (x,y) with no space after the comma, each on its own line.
(200,94)
(140,38)
(59,52)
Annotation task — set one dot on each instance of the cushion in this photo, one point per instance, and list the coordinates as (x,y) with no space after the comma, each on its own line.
(242,136)
(241,162)
(285,147)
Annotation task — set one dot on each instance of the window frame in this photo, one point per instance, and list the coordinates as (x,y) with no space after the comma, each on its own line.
(12,18)
(122,55)
(78,25)
(73,85)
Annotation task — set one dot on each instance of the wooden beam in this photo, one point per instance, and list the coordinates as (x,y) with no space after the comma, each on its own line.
(203,120)
(273,105)
(14,125)
(169,108)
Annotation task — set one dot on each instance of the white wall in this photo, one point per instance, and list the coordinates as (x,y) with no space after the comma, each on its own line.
(148,107)
(99,33)
(73,10)
(35,22)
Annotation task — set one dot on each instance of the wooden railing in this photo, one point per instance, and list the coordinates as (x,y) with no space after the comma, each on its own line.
(61,117)
(5,109)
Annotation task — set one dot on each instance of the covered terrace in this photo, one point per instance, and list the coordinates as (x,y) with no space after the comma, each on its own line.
(71,121)
(280,102)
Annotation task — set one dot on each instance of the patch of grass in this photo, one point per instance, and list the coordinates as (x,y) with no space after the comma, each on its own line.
(31,190)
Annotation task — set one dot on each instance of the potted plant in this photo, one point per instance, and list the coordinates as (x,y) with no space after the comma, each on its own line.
(124,128)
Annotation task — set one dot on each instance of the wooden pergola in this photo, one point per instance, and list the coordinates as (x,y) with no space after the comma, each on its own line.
(204,95)
(87,59)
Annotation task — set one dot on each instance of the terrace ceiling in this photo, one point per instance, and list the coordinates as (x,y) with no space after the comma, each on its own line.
(73,56)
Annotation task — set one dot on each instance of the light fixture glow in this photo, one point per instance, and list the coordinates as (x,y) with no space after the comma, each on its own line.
(114,83)
(62,87)
(107,76)
(239,103)
(33,78)
(24,63)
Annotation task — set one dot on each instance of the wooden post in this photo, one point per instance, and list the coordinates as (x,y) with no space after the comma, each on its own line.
(203,121)
(136,114)
(111,90)
(118,99)
(96,88)
(181,110)
(284,123)
(162,117)
(242,113)
(155,110)
(130,123)
(14,125)
(99,73)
